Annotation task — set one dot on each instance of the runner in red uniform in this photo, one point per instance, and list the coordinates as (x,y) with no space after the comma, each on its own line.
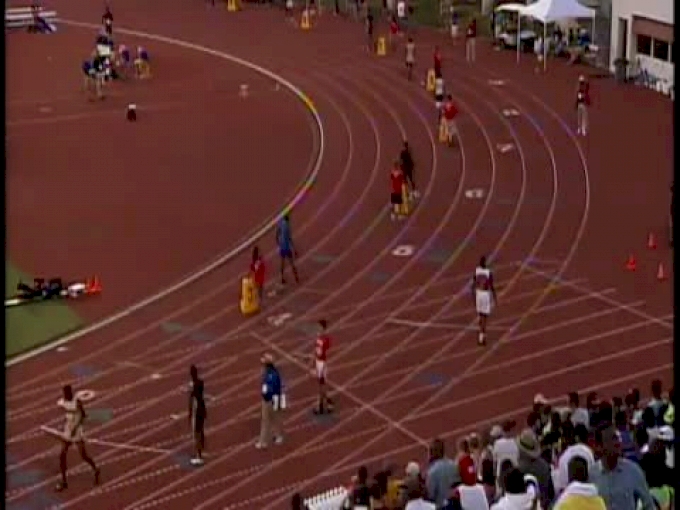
(257,269)
(437,61)
(449,113)
(396,186)
(321,347)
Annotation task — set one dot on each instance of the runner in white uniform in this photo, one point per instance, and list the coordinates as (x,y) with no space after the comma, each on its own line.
(484,295)
(73,433)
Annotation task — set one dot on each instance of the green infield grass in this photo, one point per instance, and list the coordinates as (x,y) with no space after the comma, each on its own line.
(30,326)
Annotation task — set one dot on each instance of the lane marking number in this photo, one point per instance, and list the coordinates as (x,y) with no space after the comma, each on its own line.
(504,147)
(280,319)
(404,250)
(474,193)
(510,112)
(496,83)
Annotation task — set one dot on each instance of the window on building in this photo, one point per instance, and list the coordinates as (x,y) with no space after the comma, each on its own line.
(644,45)
(661,50)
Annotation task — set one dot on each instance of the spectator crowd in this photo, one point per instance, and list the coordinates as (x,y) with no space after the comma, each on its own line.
(615,454)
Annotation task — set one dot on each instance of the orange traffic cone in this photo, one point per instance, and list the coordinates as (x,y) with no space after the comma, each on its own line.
(94,285)
(631,265)
(651,242)
(660,273)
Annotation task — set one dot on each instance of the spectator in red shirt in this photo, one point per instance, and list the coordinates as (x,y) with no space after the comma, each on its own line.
(257,271)
(466,465)
(582,105)
(437,58)
(470,37)
(449,113)
(396,191)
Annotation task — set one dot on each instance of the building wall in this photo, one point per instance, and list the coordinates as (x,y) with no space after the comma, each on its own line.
(645,53)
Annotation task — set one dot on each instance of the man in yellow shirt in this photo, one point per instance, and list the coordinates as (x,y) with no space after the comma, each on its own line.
(579,494)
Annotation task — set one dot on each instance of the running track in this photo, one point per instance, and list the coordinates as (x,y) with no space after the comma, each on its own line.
(404,360)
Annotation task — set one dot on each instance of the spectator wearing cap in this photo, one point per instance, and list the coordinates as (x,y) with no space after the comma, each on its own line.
(412,481)
(505,447)
(272,404)
(441,475)
(578,414)
(531,463)
(516,496)
(578,448)
(543,408)
(579,494)
(620,482)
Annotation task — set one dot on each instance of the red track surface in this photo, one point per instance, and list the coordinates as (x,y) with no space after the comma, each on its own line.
(562,202)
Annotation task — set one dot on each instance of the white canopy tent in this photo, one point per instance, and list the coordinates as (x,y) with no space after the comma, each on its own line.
(549,11)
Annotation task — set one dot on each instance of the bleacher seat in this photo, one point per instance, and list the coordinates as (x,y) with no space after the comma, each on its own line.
(22,17)
(333,499)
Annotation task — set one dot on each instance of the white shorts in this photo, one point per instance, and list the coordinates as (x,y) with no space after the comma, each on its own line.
(454,31)
(483,302)
(320,370)
(451,127)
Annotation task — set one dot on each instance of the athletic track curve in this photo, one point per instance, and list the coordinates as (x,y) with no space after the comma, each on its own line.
(404,363)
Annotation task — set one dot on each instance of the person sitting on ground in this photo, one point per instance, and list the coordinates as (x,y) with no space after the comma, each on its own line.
(39,24)
(517,495)
(142,63)
(579,494)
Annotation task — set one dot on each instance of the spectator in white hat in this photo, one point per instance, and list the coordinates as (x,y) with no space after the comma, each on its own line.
(531,463)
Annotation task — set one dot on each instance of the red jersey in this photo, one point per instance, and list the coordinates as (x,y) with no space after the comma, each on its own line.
(584,91)
(257,270)
(471,31)
(397,181)
(323,343)
(466,468)
(450,111)
(394,27)
(437,63)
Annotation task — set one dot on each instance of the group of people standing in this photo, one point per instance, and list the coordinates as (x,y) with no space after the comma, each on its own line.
(108,62)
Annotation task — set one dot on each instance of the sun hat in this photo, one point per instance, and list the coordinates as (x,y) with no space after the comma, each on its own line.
(528,443)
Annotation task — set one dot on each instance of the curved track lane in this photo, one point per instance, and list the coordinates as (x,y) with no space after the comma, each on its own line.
(404,360)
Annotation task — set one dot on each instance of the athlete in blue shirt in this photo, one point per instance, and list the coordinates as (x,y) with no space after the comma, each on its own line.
(287,251)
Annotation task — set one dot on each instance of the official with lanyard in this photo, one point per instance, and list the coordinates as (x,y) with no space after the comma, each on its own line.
(273,402)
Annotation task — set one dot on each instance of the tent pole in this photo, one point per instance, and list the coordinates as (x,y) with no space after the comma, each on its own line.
(545,46)
(519,32)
